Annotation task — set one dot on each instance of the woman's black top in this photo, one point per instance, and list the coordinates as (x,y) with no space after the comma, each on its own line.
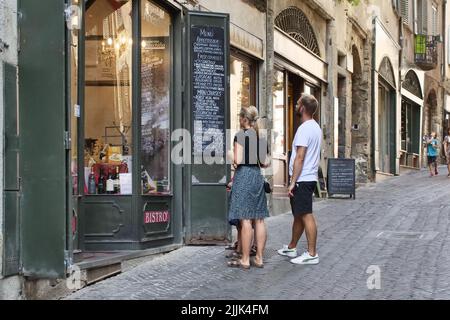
(252,146)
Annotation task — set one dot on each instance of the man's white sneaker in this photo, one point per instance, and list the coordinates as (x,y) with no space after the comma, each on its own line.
(306,258)
(285,251)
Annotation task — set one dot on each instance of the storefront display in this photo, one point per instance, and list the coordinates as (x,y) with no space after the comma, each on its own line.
(108,98)
(117,87)
(242,86)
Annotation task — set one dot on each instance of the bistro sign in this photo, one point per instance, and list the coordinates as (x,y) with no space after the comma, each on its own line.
(156,216)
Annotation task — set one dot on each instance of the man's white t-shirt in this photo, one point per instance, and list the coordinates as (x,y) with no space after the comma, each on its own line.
(308,135)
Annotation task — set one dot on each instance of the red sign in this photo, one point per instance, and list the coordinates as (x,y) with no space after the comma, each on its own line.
(156,216)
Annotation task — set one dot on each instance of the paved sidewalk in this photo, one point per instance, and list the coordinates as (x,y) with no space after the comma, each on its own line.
(401,226)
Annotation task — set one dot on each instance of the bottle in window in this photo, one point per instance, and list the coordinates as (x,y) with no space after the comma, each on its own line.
(117,181)
(110,184)
(92,187)
(165,185)
(101,183)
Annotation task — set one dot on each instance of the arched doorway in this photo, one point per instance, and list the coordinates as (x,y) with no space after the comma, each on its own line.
(429,122)
(386,118)
(430,113)
(410,136)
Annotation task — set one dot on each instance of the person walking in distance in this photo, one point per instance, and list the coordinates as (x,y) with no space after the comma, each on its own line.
(432,153)
(303,170)
(447,150)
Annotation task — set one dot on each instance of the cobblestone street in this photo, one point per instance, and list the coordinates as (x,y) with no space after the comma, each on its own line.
(400,225)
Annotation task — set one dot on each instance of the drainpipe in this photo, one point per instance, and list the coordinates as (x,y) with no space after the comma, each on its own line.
(444,40)
(372,98)
(401,40)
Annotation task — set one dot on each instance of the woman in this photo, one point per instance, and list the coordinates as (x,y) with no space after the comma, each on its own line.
(432,153)
(447,150)
(248,199)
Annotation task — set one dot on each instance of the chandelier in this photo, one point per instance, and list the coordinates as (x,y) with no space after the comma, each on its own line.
(112,48)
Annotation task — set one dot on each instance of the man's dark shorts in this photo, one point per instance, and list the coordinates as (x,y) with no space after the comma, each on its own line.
(302,201)
(431,159)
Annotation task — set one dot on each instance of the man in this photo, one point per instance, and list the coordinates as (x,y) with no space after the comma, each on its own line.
(303,169)
(432,153)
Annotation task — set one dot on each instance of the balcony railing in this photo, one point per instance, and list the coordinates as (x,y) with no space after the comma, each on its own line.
(426,51)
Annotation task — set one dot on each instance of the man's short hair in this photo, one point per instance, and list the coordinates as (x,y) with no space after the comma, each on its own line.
(310,103)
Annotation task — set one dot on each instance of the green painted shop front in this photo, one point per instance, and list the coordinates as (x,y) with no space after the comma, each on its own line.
(113,81)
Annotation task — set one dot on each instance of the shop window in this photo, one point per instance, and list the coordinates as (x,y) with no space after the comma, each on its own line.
(404,127)
(155,98)
(108,97)
(242,86)
(278,133)
(410,129)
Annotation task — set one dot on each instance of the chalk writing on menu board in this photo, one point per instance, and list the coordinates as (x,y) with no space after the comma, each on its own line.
(208,76)
(341,176)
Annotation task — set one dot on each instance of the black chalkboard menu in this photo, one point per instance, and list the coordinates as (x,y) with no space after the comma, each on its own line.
(341,177)
(208,95)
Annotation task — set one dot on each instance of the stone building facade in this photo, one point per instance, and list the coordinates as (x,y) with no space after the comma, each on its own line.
(378,70)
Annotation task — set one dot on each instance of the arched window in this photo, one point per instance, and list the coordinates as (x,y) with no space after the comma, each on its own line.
(387,72)
(294,22)
(412,84)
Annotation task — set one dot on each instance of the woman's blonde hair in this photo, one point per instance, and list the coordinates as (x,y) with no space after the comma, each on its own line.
(251,114)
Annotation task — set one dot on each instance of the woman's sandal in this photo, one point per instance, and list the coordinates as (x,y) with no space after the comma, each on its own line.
(255,264)
(237,264)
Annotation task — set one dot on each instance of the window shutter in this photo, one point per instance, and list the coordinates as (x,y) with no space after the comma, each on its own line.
(404,10)
(419,9)
(434,19)
(395,5)
(424,16)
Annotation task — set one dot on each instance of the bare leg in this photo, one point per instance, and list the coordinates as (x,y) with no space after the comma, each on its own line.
(297,231)
(261,237)
(311,232)
(246,240)
(239,238)
(254,235)
(430,166)
(435,167)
